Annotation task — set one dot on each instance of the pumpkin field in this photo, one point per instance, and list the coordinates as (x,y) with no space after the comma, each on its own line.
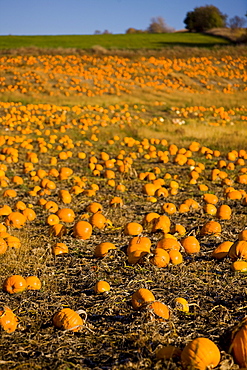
(123,213)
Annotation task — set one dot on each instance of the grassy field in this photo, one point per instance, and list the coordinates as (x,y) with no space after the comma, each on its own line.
(122,41)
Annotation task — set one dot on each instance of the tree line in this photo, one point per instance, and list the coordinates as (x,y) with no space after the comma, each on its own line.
(200,19)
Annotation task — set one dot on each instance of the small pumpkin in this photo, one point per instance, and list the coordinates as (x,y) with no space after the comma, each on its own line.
(14,284)
(168,352)
(16,220)
(168,244)
(68,319)
(3,246)
(98,220)
(33,283)
(103,248)
(181,304)
(238,250)
(160,258)
(82,230)
(133,228)
(163,224)
(159,310)
(8,320)
(222,250)
(101,287)
(239,266)
(60,248)
(211,228)
(140,297)
(191,244)
(224,212)
(200,354)
(175,257)
(66,215)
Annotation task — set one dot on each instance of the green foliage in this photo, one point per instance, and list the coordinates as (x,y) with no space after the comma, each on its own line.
(122,41)
(204,18)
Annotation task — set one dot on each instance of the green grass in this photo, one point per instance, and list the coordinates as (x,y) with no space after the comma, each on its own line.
(122,41)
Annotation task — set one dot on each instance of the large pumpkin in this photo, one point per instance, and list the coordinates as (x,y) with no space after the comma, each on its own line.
(67,319)
(239,344)
(200,354)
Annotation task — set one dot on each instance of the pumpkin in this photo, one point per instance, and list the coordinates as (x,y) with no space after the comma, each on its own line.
(191,244)
(58,230)
(8,320)
(16,220)
(240,266)
(181,304)
(133,228)
(238,250)
(65,196)
(101,287)
(160,310)
(60,248)
(169,208)
(3,246)
(52,219)
(68,319)
(33,283)
(200,354)
(160,258)
(94,207)
(242,235)
(29,214)
(139,243)
(98,220)
(239,343)
(168,244)
(51,206)
(211,228)
(103,248)
(168,352)
(149,220)
(175,257)
(162,223)
(140,297)
(13,242)
(14,284)
(210,198)
(82,230)
(66,215)
(222,250)
(178,229)
(224,212)
(210,209)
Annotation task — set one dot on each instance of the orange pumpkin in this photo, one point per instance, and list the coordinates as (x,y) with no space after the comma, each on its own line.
(33,283)
(8,320)
(160,258)
(102,249)
(66,215)
(200,354)
(14,284)
(191,244)
(140,297)
(15,220)
(82,230)
(68,319)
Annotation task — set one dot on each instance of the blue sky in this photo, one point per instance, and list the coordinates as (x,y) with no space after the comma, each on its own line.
(67,17)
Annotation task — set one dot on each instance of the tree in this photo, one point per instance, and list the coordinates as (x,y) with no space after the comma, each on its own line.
(204,18)
(158,25)
(237,22)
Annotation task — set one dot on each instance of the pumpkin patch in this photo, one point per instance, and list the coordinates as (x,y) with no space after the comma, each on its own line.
(123,225)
